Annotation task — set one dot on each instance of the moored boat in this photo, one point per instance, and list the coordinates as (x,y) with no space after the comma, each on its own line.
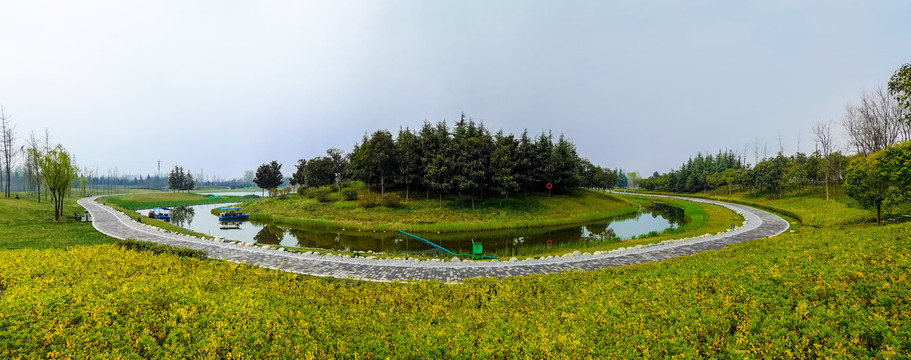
(231,214)
(161,213)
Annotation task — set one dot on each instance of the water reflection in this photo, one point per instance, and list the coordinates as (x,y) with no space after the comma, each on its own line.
(270,234)
(655,218)
(183,216)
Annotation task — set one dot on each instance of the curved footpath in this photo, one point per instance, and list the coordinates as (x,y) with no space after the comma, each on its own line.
(758,224)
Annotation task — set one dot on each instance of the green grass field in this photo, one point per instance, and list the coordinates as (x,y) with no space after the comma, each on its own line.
(535,210)
(839,291)
(25,223)
(166,199)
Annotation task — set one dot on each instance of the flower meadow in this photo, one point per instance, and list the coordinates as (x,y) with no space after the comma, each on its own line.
(816,292)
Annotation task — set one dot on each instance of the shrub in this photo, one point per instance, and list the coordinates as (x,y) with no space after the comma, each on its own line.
(322,194)
(302,190)
(349,194)
(310,193)
(392,200)
(137,245)
(367,199)
(354,184)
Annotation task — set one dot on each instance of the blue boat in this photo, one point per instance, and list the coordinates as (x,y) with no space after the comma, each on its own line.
(232,214)
(161,213)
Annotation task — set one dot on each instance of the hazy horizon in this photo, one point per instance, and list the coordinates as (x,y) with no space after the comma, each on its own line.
(635,86)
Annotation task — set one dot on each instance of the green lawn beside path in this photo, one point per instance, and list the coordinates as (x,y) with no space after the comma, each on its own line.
(25,223)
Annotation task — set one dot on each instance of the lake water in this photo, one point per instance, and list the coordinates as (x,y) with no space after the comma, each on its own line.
(656,218)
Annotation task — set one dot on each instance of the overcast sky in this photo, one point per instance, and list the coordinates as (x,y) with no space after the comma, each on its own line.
(642,85)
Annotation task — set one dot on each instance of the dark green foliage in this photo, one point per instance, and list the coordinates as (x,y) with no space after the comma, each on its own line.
(349,194)
(339,164)
(320,171)
(300,174)
(180,180)
(391,200)
(322,194)
(410,152)
(367,198)
(375,159)
(503,165)
(269,176)
(468,161)
(137,245)
(565,166)
(302,191)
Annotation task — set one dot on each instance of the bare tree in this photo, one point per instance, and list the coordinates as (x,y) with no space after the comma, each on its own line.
(823,133)
(9,151)
(876,123)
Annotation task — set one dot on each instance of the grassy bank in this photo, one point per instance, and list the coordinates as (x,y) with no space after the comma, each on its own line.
(132,214)
(166,199)
(809,207)
(25,223)
(701,219)
(829,291)
(534,210)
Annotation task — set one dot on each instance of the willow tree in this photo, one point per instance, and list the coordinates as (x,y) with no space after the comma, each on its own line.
(59,172)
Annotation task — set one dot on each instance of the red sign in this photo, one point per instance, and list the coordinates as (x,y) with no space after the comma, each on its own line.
(550,186)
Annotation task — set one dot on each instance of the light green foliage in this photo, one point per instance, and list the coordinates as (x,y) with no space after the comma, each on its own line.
(868,183)
(349,194)
(900,87)
(896,163)
(59,172)
(322,194)
(820,293)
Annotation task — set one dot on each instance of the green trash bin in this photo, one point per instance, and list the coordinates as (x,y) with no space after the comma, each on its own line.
(476,250)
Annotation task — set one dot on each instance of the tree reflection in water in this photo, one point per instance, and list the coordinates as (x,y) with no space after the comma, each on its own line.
(271,235)
(182,216)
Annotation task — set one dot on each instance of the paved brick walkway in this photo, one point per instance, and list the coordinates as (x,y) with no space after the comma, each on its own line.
(759,224)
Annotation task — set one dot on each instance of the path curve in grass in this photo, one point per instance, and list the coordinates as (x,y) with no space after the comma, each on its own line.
(758,224)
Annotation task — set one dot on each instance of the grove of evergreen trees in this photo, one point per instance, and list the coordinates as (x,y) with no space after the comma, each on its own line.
(179,180)
(467,160)
(773,175)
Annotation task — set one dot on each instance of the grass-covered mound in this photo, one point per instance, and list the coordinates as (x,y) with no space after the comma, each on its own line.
(817,292)
(520,211)
(167,199)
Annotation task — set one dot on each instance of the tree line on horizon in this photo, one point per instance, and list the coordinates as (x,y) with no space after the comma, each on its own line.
(467,160)
(877,175)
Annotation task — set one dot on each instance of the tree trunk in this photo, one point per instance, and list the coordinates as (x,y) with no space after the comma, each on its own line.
(441,200)
(407,190)
(879,208)
(382,184)
(827,183)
